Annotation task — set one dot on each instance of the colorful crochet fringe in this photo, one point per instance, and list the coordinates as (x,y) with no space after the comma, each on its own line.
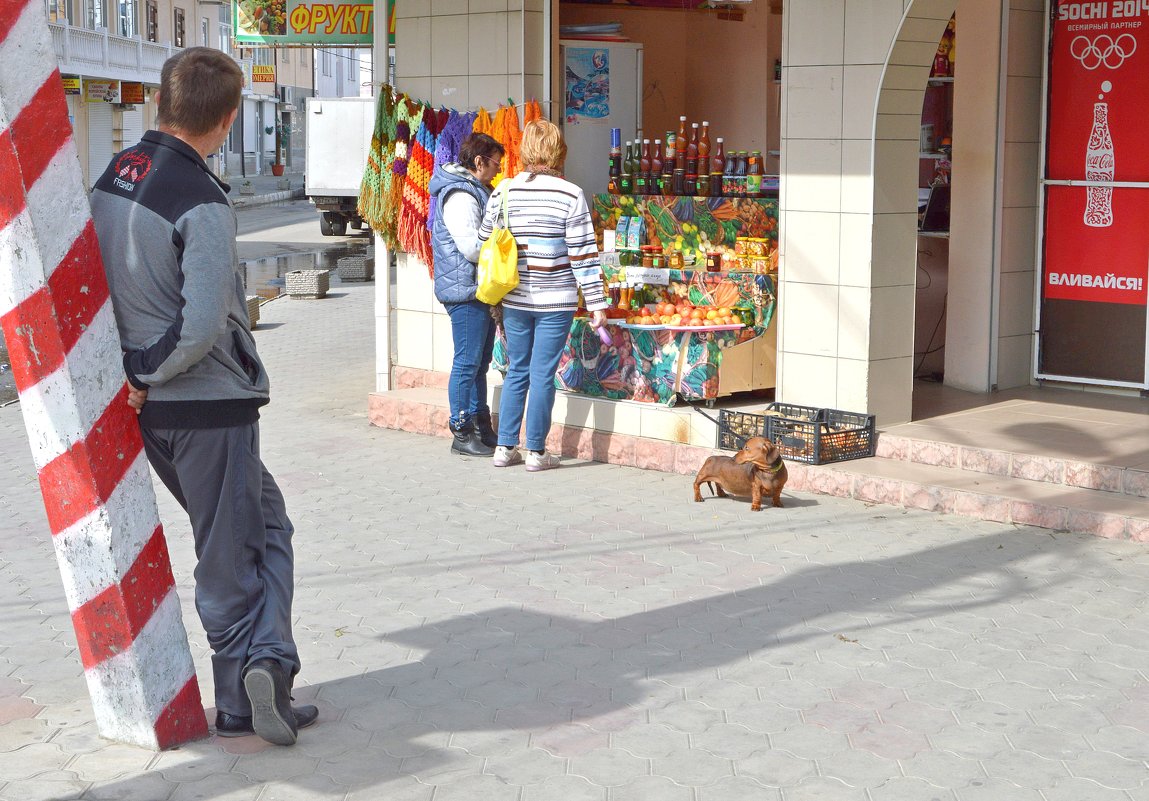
(413,234)
(377,174)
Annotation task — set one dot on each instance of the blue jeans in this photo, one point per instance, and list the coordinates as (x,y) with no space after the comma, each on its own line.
(535,342)
(473,334)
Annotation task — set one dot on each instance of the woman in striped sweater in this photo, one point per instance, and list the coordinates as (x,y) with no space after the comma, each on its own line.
(558,256)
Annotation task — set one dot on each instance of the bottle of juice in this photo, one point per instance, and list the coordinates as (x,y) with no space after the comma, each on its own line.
(692,151)
(717,164)
(740,174)
(626,180)
(680,145)
(729,179)
(642,184)
(754,175)
(615,174)
(704,146)
(654,187)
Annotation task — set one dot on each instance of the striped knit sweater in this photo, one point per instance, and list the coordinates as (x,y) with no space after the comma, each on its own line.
(558,254)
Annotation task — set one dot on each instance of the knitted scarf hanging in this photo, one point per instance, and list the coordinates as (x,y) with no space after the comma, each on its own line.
(408,118)
(413,234)
(482,122)
(377,173)
(457,129)
(498,132)
(512,139)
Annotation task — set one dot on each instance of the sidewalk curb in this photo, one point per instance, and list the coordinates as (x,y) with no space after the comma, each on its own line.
(246,201)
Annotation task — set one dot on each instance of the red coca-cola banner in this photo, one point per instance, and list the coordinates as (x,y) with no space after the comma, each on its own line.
(1097,238)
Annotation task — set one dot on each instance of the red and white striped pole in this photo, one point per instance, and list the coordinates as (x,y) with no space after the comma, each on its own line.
(65,354)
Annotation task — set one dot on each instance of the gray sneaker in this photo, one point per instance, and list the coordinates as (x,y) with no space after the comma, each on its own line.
(541,461)
(505,456)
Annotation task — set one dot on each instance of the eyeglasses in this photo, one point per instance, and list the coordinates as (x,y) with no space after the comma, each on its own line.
(490,160)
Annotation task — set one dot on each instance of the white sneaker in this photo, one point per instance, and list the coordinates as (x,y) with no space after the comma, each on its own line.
(541,461)
(506,456)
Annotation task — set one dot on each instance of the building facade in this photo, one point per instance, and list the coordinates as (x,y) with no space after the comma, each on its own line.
(110,58)
(850,88)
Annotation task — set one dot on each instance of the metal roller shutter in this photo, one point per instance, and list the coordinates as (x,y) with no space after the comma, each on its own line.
(100,150)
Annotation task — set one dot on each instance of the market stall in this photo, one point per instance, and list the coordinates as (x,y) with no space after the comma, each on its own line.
(730,245)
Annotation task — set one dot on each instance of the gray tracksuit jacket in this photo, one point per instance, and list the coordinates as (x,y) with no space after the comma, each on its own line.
(167,235)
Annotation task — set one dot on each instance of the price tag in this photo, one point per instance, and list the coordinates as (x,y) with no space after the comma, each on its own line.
(648,275)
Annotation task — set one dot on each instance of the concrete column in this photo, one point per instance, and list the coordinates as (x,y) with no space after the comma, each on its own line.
(58,324)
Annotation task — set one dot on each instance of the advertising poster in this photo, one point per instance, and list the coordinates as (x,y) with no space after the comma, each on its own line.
(295,22)
(587,84)
(1096,238)
(102,91)
(131,93)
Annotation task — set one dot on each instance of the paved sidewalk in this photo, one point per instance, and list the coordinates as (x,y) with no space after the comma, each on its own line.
(264,189)
(475,634)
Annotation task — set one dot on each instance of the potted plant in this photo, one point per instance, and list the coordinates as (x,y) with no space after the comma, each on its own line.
(281,135)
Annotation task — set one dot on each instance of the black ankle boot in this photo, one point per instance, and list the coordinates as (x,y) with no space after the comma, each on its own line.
(486,432)
(467,442)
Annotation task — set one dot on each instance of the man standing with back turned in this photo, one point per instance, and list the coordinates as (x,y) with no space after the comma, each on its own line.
(167,234)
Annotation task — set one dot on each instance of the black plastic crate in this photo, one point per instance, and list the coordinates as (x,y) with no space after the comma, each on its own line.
(734,428)
(802,433)
(820,436)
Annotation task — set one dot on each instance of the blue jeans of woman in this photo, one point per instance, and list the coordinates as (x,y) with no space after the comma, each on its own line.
(535,342)
(473,333)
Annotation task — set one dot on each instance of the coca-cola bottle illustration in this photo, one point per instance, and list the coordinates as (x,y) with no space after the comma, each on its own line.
(1099,167)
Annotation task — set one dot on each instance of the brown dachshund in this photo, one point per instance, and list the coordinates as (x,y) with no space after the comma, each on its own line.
(756,470)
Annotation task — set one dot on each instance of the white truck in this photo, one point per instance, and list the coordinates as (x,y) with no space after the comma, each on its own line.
(338,139)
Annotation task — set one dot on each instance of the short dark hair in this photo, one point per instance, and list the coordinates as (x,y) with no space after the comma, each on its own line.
(199,87)
(479,144)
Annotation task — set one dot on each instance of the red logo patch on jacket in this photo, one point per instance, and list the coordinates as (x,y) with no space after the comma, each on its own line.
(130,169)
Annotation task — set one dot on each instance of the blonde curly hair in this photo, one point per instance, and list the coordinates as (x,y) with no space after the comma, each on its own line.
(542,146)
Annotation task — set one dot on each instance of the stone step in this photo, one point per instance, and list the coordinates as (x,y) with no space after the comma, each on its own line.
(1062,471)
(909,481)
(982,495)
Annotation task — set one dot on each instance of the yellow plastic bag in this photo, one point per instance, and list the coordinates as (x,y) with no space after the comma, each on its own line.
(498,270)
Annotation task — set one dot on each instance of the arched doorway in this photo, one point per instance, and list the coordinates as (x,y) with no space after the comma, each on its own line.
(990,275)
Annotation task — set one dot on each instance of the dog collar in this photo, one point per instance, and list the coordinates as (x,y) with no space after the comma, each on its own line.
(774,468)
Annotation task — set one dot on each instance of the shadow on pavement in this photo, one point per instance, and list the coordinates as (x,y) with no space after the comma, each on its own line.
(515,670)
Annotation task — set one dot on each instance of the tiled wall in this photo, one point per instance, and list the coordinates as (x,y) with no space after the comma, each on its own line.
(1019,203)
(851,110)
(462,54)
(853,80)
(469,53)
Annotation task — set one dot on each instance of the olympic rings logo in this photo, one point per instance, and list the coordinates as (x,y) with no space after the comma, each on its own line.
(1103,51)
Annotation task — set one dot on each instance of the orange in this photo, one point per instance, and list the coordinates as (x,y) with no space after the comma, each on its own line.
(711,314)
(697,314)
(670,309)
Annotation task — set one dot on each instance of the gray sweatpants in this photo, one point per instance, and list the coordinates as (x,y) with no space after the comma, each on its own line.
(245,571)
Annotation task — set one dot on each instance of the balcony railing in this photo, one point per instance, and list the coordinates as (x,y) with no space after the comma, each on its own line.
(102,54)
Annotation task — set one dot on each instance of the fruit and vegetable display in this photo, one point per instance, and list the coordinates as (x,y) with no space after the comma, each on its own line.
(689,316)
(263,17)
